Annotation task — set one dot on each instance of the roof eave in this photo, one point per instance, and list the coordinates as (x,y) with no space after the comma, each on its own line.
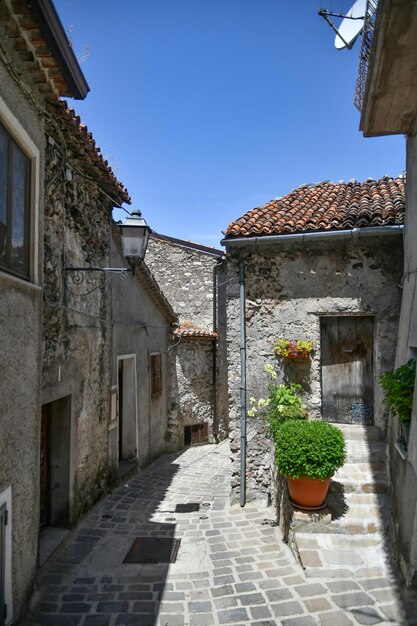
(57,40)
(353,233)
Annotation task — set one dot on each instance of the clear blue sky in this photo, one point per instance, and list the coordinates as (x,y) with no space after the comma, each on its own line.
(206,109)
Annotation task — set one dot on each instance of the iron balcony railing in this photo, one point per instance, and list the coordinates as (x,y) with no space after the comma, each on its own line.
(365,52)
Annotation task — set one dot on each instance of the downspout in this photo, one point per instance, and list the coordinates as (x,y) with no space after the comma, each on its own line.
(242,384)
(215,345)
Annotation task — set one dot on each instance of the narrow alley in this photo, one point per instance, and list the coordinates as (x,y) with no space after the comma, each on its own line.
(228,567)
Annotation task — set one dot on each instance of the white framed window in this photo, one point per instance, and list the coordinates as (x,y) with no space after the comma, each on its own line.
(14,206)
(19,199)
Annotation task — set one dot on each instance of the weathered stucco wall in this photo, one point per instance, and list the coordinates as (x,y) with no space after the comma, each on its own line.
(140,329)
(20,364)
(287,290)
(403,471)
(187,276)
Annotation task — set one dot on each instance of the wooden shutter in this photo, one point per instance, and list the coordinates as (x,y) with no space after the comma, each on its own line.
(156,374)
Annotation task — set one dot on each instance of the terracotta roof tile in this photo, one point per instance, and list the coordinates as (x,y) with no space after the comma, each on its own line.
(87,149)
(193,332)
(326,206)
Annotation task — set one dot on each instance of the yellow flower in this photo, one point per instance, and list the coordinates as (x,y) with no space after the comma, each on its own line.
(270,370)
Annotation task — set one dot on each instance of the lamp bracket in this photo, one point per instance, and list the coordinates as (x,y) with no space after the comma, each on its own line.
(79,275)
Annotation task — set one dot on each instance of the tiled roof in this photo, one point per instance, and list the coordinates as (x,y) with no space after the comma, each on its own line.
(193,332)
(36,35)
(324,207)
(87,150)
(24,29)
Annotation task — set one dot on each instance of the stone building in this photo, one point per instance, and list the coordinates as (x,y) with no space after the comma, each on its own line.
(84,362)
(77,327)
(143,321)
(36,67)
(387,98)
(322,263)
(192,277)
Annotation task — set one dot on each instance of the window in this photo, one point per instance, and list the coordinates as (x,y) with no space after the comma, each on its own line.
(14,206)
(196,433)
(156,374)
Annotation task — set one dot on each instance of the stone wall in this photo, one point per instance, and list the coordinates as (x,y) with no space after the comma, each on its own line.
(287,289)
(186,273)
(77,319)
(194,374)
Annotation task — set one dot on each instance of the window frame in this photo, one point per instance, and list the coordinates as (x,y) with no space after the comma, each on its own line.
(20,137)
(12,147)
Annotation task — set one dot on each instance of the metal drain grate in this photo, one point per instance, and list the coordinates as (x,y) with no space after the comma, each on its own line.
(189,507)
(153,550)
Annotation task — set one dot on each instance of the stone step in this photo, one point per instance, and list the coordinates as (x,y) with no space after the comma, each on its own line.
(357,431)
(305,541)
(364,468)
(344,526)
(345,514)
(358,485)
(365,452)
(349,485)
(373,499)
(347,536)
(347,556)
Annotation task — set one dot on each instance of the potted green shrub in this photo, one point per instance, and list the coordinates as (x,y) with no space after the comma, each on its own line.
(308,453)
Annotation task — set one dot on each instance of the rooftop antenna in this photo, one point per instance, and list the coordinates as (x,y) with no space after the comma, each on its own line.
(350,27)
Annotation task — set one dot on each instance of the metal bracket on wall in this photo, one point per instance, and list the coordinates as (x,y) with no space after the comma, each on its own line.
(79,275)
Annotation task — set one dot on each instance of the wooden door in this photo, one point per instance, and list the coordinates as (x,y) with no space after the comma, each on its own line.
(347,369)
(120,408)
(3,522)
(45,481)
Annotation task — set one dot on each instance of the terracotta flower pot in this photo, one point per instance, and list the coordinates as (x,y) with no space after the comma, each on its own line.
(297,359)
(308,493)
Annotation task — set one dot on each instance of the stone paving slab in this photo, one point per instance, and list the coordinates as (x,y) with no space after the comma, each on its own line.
(232,566)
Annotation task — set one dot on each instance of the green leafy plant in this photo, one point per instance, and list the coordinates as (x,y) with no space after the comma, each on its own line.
(310,448)
(292,348)
(399,389)
(283,403)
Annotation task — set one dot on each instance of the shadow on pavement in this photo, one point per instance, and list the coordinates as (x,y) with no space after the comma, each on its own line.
(86,582)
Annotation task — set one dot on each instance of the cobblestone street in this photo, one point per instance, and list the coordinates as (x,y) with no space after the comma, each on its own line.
(231,568)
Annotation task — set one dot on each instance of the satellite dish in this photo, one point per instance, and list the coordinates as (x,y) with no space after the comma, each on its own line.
(351,26)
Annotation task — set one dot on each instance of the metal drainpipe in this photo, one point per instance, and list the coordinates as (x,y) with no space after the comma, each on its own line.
(215,327)
(242,384)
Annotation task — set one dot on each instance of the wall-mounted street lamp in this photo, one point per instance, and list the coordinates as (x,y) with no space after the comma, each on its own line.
(134,233)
